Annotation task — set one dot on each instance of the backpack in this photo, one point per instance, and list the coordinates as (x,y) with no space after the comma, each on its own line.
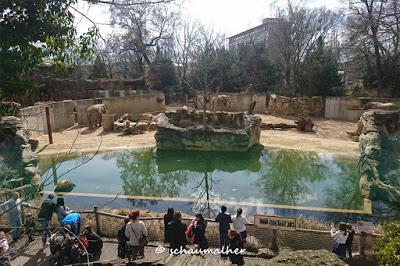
(121,243)
(121,250)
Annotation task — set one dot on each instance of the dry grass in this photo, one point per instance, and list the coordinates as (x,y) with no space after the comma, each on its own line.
(252,244)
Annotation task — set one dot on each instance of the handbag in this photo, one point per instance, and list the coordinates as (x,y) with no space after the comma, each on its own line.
(143,241)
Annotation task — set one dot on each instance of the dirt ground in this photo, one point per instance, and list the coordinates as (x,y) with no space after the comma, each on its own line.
(330,136)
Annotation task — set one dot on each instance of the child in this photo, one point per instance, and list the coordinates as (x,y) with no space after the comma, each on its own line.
(29,226)
(339,248)
(4,250)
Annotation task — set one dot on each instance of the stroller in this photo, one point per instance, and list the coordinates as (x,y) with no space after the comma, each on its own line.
(67,249)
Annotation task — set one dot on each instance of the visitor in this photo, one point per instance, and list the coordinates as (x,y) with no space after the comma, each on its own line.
(61,210)
(168,217)
(239,224)
(74,220)
(4,250)
(29,226)
(339,248)
(199,226)
(176,234)
(95,241)
(224,221)
(137,234)
(349,241)
(122,240)
(44,217)
(13,207)
(235,248)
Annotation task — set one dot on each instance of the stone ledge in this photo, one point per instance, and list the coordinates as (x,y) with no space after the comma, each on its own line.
(183,130)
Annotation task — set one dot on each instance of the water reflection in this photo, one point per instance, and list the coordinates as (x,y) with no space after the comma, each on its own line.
(346,194)
(258,177)
(285,173)
(139,176)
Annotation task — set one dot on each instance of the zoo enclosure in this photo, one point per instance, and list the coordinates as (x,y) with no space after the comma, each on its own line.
(66,113)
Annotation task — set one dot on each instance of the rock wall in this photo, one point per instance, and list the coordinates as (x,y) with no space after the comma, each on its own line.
(239,102)
(351,108)
(16,151)
(183,130)
(281,105)
(379,164)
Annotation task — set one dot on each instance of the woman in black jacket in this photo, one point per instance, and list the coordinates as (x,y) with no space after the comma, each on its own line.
(199,231)
(168,217)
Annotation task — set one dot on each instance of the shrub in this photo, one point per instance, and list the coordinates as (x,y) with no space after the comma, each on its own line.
(388,246)
(9,109)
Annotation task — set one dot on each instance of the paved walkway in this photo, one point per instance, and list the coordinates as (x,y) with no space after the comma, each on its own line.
(33,254)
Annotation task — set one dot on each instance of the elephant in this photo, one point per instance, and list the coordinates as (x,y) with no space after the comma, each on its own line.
(95,114)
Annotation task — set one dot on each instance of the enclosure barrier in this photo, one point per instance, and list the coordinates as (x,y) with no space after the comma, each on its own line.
(107,225)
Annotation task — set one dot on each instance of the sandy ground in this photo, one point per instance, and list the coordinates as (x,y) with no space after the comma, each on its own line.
(330,137)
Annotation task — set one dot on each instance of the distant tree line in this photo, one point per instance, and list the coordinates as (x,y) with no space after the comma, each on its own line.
(305,55)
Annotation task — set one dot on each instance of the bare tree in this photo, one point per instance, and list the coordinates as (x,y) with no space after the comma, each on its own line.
(374,32)
(294,35)
(186,37)
(145,26)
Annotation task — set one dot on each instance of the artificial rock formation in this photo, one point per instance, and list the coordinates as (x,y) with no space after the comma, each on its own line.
(15,146)
(379,164)
(184,130)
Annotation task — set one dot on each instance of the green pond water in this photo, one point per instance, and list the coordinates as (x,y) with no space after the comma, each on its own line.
(261,176)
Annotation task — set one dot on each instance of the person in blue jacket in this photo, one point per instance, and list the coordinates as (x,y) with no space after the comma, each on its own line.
(74,220)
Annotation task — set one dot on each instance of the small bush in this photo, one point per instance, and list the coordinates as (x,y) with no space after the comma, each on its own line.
(10,109)
(252,244)
(388,246)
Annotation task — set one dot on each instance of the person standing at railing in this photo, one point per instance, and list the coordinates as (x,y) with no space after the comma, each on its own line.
(349,241)
(168,217)
(4,250)
(177,234)
(224,221)
(45,214)
(339,248)
(199,226)
(13,207)
(137,234)
(239,224)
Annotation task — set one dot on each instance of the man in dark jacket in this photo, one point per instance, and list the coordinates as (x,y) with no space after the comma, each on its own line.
(44,217)
(176,234)
(224,220)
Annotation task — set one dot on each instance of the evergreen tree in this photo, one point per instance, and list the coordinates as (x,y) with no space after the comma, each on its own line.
(161,74)
(320,72)
(99,69)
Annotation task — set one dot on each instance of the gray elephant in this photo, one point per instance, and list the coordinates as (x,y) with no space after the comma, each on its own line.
(95,114)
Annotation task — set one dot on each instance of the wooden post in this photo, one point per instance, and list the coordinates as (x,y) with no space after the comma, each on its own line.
(96,216)
(363,243)
(274,241)
(48,125)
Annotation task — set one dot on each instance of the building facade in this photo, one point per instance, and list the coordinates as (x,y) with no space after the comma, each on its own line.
(257,35)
